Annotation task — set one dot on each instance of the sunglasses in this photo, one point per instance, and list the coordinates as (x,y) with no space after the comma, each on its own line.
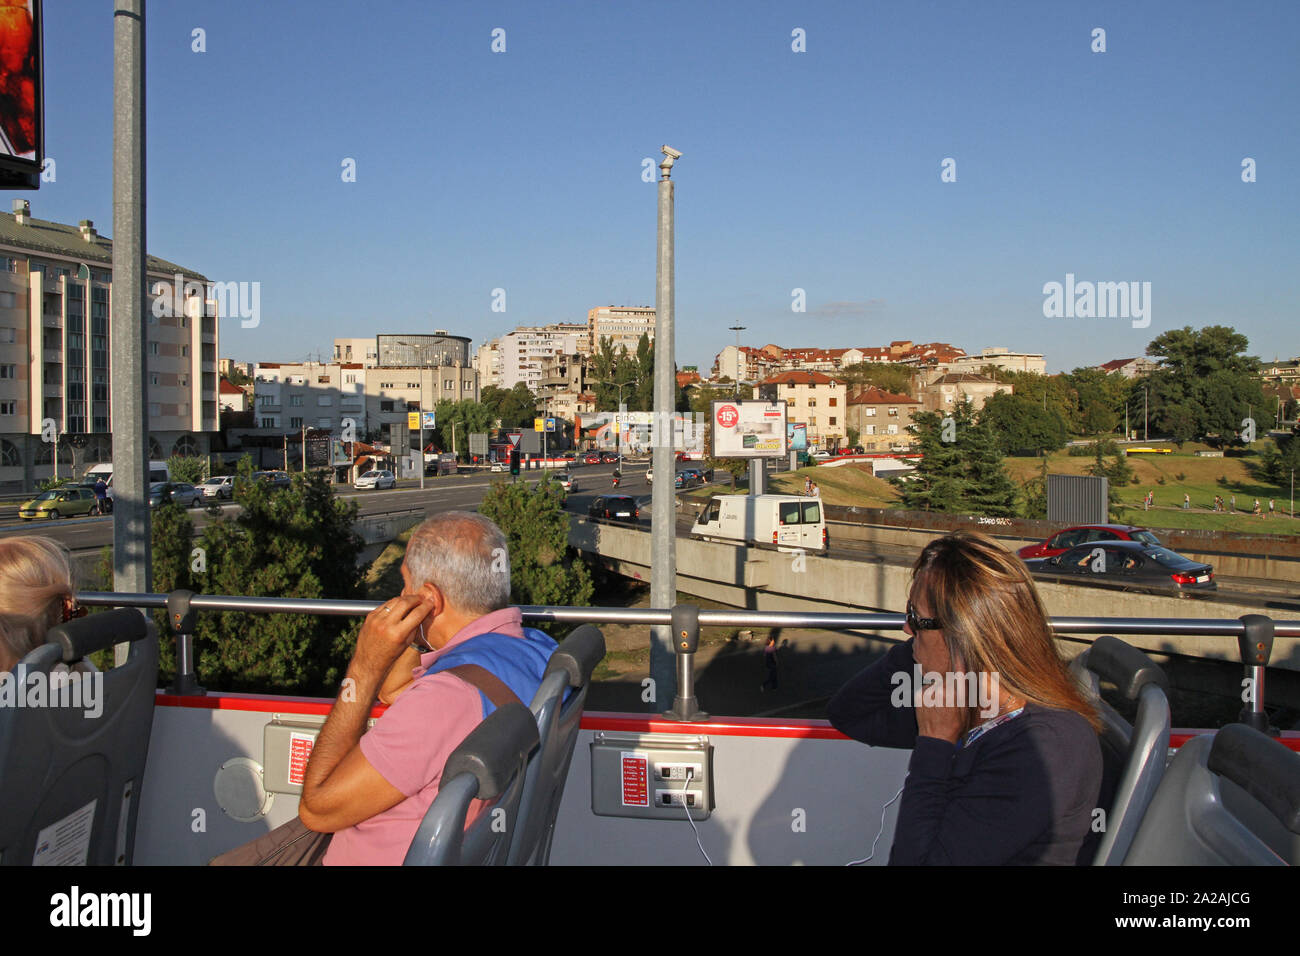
(72,610)
(921,623)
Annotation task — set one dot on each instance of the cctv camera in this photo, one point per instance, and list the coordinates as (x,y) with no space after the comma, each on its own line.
(669,151)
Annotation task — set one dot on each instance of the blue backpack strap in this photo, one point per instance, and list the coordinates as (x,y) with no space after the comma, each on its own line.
(519,663)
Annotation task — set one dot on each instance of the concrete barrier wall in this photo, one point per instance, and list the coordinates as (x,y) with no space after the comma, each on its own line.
(767,579)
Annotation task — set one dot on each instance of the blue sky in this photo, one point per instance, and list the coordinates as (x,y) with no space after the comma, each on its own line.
(817,170)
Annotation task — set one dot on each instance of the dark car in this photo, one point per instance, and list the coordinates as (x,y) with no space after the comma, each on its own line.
(608,456)
(1129,565)
(614,508)
(276,479)
(1086,534)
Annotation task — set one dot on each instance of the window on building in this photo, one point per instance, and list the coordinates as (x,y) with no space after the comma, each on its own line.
(386,405)
(449,385)
(834,402)
(812,419)
(869,430)
(265,400)
(812,403)
(155,410)
(268,423)
(8,408)
(893,413)
(893,429)
(185,350)
(295,401)
(324,422)
(153,348)
(295,423)
(832,422)
(324,400)
(155,378)
(7,300)
(871,413)
(351,380)
(8,371)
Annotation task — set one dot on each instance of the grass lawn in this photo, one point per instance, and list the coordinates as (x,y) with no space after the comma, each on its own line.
(1203,478)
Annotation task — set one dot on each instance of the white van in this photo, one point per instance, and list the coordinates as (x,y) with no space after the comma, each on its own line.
(787,521)
(158,471)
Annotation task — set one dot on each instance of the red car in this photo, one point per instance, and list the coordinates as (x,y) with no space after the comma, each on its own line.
(1063,541)
(592,458)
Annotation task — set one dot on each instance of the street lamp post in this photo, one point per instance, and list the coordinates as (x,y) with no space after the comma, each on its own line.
(618,418)
(737,329)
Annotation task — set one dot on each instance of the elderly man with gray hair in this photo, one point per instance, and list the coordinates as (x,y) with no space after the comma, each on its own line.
(442,654)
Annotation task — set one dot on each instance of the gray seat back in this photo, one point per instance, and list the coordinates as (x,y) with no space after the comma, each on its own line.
(558,721)
(1190,823)
(489,766)
(71,768)
(1140,749)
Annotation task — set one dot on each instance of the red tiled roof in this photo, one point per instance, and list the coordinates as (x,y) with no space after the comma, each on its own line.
(799,378)
(226,387)
(1115,364)
(878,396)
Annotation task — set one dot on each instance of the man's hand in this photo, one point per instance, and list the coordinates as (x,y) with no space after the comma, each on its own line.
(387,633)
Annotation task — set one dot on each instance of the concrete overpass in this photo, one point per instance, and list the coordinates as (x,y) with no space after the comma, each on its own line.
(767,579)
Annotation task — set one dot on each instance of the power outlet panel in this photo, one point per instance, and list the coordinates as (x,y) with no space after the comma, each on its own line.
(651,776)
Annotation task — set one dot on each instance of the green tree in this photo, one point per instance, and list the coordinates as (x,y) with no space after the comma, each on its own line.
(1022,426)
(989,490)
(939,481)
(466,416)
(1034,493)
(1117,471)
(543,568)
(1279,459)
(886,375)
(1205,385)
(296,542)
(512,408)
(187,468)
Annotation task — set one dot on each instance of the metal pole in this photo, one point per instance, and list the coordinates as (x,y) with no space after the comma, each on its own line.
(132,555)
(737,329)
(422,371)
(304,448)
(663,528)
(1146,434)
(756,476)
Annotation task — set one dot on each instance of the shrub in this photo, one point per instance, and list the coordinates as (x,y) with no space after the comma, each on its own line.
(1180,477)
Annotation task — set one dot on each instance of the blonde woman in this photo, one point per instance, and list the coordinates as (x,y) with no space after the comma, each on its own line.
(1006,766)
(36,594)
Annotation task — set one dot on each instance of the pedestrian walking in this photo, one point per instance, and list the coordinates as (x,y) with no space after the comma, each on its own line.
(1257,511)
(807,486)
(769,662)
(1233,500)
(1187,501)
(1270,507)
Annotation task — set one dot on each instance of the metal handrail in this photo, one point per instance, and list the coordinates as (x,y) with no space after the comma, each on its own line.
(685,622)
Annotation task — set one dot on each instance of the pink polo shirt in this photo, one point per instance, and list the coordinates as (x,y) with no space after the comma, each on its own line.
(410,744)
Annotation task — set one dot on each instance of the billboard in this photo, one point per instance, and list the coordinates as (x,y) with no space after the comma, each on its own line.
(796,434)
(637,432)
(22,107)
(749,429)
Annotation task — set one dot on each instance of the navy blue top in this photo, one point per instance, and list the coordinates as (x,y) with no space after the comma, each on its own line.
(1022,793)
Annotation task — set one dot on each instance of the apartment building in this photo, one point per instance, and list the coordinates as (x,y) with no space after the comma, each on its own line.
(488,362)
(880,418)
(813,398)
(523,352)
(412,349)
(325,396)
(361,351)
(999,358)
(56,362)
(622,325)
(953,388)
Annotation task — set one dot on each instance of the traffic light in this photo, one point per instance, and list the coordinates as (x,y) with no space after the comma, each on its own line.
(514,461)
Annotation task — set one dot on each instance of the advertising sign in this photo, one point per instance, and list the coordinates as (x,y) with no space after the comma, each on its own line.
(749,429)
(340,454)
(539,424)
(478,444)
(22,90)
(797,434)
(413,421)
(429,420)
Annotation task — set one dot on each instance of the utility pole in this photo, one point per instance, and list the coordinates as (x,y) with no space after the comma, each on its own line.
(663,526)
(132,556)
(1146,434)
(304,447)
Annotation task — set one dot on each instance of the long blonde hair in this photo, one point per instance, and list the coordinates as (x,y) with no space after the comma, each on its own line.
(35,582)
(993,620)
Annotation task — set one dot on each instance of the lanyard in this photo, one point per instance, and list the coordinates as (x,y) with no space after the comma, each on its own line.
(982,729)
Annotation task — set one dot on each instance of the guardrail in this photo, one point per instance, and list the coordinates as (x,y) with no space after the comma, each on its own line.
(1254,632)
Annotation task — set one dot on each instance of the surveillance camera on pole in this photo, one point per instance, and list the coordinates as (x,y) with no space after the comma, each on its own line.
(672,156)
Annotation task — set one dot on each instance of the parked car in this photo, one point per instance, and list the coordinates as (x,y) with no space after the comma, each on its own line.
(59,503)
(497,466)
(276,479)
(622,508)
(1062,541)
(650,475)
(1129,565)
(377,479)
(219,486)
(592,458)
(181,492)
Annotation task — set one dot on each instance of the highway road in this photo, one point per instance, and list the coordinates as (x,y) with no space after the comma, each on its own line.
(84,536)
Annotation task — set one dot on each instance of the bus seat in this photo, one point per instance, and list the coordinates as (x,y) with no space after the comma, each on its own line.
(70,774)
(558,719)
(1190,823)
(488,765)
(1134,755)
